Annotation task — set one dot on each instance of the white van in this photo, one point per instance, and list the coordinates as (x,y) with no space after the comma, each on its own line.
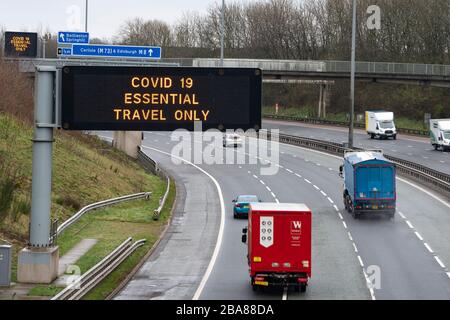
(380,124)
(440,133)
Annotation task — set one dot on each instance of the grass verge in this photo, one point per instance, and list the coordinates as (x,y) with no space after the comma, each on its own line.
(110,227)
(400,122)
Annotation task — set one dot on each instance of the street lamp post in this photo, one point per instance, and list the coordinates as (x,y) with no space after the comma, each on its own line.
(86,17)
(222,30)
(352,78)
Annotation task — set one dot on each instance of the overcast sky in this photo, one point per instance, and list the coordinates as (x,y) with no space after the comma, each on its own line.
(105,16)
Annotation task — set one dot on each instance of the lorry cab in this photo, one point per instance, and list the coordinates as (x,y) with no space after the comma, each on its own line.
(278,238)
(369,184)
(380,124)
(440,133)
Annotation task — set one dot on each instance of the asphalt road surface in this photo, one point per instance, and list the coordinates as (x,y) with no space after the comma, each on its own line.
(410,253)
(415,149)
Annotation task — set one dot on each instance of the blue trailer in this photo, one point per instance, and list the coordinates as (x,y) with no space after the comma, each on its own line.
(369,184)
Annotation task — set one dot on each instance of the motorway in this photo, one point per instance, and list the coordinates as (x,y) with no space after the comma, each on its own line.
(412,148)
(412,251)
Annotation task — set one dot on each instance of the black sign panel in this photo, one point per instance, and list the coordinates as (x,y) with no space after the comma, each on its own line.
(21,44)
(160,98)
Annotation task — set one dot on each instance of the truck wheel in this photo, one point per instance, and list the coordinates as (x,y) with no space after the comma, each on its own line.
(394,137)
(297,288)
(372,136)
(303,287)
(435,146)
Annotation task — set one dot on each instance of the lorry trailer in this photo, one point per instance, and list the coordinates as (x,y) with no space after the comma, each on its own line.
(440,133)
(369,183)
(380,124)
(279,245)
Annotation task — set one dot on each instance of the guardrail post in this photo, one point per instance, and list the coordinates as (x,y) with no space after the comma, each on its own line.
(38,263)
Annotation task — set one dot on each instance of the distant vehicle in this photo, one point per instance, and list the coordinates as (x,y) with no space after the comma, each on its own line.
(232,139)
(279,245)
(440,133)
(369,183)
(242,205)
(380,124)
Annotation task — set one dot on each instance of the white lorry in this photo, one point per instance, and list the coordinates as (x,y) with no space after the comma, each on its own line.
(440,133)
(380,124)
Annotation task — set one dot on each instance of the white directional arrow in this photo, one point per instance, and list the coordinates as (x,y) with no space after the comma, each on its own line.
(61,35)
(150,52)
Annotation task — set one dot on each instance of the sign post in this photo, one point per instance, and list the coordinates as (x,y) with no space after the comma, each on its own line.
(21,44)
(72,37)
(97,50)
(38,263)
(160,99)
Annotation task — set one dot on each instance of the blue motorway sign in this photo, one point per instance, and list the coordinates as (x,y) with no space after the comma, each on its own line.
(64,51)
(94,50)
(73,37)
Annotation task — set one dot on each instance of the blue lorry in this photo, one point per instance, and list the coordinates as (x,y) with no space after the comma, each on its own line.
(369,183)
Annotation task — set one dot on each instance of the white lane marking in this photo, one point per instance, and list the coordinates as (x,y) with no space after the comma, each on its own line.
(289,170)
(440,262)
(276,200)
(418,235)
(298,175)
(409,224)
(330,169)
(369,285)
(255,176)
(262,182)
(323,193)
(340,216)
(354,246)
(329,199)
(428,247)
(268,189)
(360,261)
(350,236)
(345,225)
(425,191)
(273,195)
(316,187)
(336,208)
(215,254)
(280,166)
(306,180)
(249,172)
(402,215)
(240,167)
(400,179)
(318,164)
(285,292)
(448,274)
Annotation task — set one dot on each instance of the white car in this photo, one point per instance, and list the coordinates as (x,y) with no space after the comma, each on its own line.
(232,139)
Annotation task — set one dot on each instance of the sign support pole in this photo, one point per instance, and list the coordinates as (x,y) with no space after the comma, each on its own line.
(38,263)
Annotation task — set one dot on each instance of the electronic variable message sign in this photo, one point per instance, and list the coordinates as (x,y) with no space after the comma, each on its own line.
(21,44)
(160,98)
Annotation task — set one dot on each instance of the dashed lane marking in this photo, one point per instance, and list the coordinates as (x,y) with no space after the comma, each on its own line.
(428,247)
(418,235)
(360,261)
(440,262)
